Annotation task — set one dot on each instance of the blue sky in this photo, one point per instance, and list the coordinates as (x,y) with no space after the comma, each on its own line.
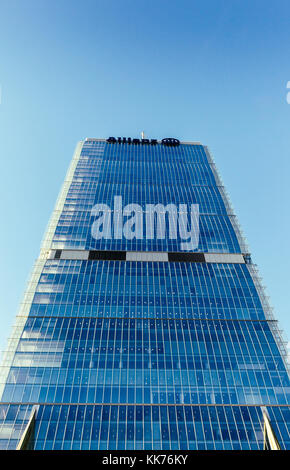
(212,71)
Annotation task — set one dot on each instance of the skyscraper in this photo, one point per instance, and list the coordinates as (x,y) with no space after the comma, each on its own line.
(144,324)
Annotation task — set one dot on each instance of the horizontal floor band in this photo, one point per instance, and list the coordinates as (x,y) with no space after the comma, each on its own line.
(222,405)
(146,256)
(266,320)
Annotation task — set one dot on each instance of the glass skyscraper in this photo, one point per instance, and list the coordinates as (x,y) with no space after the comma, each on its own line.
(135,342)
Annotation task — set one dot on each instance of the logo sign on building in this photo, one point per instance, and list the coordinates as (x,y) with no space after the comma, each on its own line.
(168,141)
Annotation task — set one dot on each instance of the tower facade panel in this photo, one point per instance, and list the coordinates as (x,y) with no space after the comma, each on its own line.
(144,324)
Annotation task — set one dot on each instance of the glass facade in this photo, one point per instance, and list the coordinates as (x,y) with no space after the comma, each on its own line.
(118,351)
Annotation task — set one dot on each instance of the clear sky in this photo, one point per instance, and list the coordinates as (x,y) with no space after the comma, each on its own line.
(212,71)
